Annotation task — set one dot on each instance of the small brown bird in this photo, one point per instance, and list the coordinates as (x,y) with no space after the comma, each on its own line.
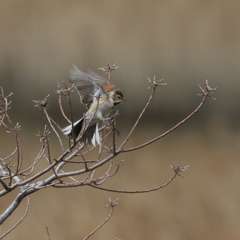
(101,98)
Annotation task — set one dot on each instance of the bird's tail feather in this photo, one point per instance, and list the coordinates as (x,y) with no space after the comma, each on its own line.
(77,127)
(87,136)
(91,135)
(96,137)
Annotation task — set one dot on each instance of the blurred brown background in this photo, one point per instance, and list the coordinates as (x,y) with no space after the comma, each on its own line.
(184,42)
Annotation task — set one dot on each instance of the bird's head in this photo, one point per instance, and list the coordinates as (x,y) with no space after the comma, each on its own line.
(116,96)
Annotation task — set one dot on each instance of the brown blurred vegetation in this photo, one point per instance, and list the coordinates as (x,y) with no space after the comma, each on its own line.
(184,42)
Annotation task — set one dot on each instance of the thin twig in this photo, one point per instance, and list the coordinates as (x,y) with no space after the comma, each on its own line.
(205,93)
(36,160)
(48,234)
(5,185)
(111,204)
(155,84)
(176,173)
(66,93)
(50,121)
(109,70)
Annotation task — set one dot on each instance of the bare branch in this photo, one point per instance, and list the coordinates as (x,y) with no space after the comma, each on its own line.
(20,220)
(12,207)
(5,185)
(109,70)
(13,128)
(48,234)
(112,204)
(155,84)
(207,91)
(176,173)
(206,94)
(66,93)
(77,164)
(42,105)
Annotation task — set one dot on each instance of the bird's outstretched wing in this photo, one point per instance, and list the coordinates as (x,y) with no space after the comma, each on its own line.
(89,85)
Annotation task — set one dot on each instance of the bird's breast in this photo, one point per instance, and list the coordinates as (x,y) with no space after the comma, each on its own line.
(99,109)
(105,107)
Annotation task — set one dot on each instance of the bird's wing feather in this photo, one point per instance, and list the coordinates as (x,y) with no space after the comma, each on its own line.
(89,85)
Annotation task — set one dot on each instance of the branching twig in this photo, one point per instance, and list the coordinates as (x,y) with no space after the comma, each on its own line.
(73,163)
(155,84)
(176,173)
(112,204)
(66,93)
(109,70)
(206,93)
(42,105)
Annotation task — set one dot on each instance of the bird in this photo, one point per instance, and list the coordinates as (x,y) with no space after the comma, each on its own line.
(100,97)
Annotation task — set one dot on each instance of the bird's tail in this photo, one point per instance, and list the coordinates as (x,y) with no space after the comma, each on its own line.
(73,130)
(90,135)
